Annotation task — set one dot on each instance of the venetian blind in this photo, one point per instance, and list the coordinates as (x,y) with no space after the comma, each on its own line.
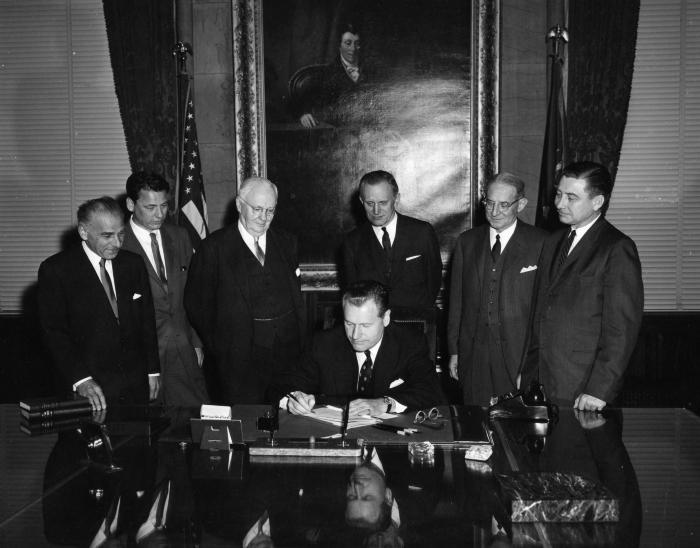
(61,137)
(656,200)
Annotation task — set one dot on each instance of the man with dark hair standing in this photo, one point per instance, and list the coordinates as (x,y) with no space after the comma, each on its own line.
(381,367)
(398,251)
(494,267)
(590,299)
(243,297)
(166,251)
(96,312)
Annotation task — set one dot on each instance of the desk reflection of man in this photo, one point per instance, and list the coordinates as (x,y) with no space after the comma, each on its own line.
(343,74)
(381,367)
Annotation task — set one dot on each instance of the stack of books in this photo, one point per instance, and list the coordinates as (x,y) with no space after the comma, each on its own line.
(48,415)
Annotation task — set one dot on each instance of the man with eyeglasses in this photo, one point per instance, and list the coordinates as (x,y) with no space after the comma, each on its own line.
(494,267)
(243,297)
(590,299)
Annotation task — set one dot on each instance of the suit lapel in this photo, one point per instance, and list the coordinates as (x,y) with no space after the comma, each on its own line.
(514,250)
(132,244)
(168,251)
(383,368)
(93,284)
(482,250)
(587,245)
(374,249)
(234,257)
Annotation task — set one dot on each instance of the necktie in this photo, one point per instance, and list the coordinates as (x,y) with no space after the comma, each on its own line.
(496,249)
(155,249)
(107,284)
(259,253)
(566,247)
(365,374)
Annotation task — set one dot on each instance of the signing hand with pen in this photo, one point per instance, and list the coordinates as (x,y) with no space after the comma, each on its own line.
(299,403)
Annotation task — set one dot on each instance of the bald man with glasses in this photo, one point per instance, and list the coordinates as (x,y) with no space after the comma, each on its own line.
(243,297)
(493,274)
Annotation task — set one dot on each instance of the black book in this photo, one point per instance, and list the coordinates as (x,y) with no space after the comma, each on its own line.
(45,404)
(50,426)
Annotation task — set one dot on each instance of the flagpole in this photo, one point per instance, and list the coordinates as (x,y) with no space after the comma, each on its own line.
(180,51)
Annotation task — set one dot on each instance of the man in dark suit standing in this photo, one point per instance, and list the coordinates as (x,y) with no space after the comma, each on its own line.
(96,312)
(398,251)
(382,367)
(494,267)
(243,296)
(166,251)
(590,299)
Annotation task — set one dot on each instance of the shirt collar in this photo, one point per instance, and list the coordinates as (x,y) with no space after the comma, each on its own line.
(249,239)
(140,232)
(373,351)
(505,235)
(390,228)
(92,256)
(346,64)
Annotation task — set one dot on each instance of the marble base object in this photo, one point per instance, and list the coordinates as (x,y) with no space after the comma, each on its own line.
(557,497)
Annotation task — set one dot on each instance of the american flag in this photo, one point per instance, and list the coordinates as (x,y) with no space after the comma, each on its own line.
(191,199)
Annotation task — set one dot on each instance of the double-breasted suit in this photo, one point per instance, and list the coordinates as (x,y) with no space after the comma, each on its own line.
(401,370)
(220,306)
(81,332)
(182,381)
(416,266)
(588,315)
(474,331)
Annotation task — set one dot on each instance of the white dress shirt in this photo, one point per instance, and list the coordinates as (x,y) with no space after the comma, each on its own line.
(249,240)
(144,238)
(505,235)
(396,407)
(580,232)
(390,228)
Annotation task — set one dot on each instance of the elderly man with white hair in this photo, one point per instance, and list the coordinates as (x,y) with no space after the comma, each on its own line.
(243,297)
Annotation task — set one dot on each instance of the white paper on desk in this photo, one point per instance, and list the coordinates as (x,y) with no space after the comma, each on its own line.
(334,415)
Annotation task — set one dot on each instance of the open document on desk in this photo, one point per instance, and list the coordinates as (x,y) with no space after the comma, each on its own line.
(334,415)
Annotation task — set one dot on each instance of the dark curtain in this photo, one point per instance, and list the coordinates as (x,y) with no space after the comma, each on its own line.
(602,39)
(141,35)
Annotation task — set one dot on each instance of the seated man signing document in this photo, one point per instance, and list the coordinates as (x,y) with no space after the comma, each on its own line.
(378,366)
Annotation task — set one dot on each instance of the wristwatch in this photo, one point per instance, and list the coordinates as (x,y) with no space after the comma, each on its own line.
(389,402)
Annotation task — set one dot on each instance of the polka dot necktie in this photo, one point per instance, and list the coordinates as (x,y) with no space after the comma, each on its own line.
(365,374)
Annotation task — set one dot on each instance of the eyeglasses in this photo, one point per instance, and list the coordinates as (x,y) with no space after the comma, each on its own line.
(257,210)
(490,204)
(429,418)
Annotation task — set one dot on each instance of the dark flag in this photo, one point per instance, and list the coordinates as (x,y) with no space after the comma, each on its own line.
(554,155)
(192,202)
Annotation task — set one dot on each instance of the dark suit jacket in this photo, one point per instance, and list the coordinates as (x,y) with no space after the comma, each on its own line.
(416,266)
(182,382)
(588,314)
(329,369)
(515,296)
(81,332)
(217,299)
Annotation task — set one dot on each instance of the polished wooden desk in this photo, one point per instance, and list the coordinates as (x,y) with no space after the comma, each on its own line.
(56,491)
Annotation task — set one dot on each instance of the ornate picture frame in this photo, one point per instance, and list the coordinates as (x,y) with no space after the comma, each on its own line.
(251,128)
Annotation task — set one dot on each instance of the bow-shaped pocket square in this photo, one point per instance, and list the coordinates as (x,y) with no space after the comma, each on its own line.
(397,382)
(136,296)
(528,268)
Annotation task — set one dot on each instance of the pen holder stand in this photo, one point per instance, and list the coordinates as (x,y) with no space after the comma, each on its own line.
(269,423)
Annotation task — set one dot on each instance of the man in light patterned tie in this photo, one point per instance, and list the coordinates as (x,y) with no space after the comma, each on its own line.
(381,367)
(243,297)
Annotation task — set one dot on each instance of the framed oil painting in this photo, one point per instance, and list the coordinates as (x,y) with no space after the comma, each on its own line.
(327,90)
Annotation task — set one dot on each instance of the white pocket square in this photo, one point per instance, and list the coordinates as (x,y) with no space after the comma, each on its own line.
(136,296)
(297,272)
(528,268)
(412,257)
(397,382)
